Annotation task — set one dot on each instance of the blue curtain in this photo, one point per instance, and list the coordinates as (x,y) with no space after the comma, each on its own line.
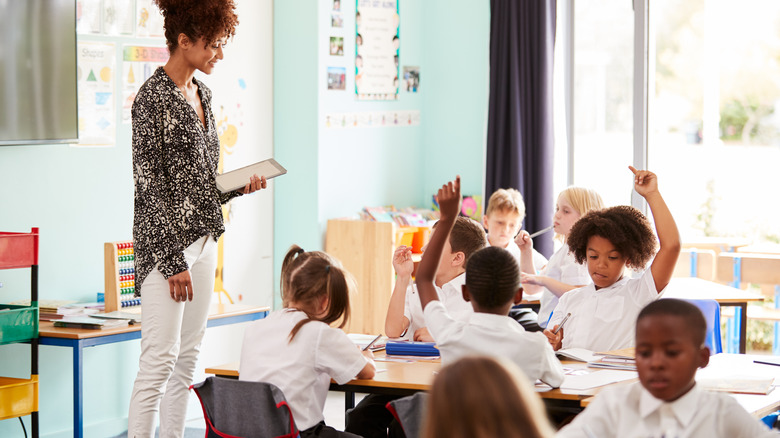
(520,113)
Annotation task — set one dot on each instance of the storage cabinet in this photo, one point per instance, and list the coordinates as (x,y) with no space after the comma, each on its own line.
(19,397)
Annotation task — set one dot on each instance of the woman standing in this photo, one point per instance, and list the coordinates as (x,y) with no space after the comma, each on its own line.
(178,216)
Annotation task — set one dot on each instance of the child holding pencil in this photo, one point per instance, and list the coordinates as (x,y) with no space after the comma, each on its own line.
(609,240)
(296,349)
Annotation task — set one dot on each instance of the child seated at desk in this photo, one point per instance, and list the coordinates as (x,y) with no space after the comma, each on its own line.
(492,286)
(296,349)
(666,401)
(484,397)
(503,218)
(404,314)
(602,314)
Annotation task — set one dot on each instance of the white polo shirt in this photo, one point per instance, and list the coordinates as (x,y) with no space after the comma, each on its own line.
(631,412)
(539,260)
(302,369)
(451,294)
(563,268)
(604,319)
(493,335)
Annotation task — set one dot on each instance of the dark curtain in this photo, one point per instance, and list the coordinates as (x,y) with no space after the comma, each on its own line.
(520,114)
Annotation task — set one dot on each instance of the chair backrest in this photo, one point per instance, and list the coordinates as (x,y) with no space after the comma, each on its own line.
(234,408)
(711,311)
(410,412)
(694,262)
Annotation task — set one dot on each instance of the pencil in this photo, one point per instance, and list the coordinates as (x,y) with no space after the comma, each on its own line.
(767,363)
(372,342)
(560,326)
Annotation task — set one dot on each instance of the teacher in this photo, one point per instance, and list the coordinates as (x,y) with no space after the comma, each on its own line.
(177,217)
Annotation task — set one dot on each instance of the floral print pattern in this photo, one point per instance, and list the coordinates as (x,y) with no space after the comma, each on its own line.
(174,169)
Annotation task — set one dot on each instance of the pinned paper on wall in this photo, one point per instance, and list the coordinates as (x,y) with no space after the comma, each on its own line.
(97,114)
(139,63)
(376,50)
(148,19)
(118,17)
(372,119)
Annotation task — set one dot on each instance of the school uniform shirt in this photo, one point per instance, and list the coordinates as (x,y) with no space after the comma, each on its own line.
(493,335)
(302,369)
(631,412)
(539,260)
(450,293)
(563,268)
(604,319)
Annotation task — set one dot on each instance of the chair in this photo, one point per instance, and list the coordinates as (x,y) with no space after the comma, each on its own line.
(234,408)
(409,411)
(711,311)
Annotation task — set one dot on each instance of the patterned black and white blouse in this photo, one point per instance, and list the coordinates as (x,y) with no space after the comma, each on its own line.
(174,169)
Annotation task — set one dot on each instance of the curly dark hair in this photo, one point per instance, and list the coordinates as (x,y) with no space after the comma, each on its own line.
(626,227)
(207,19)
(493,277)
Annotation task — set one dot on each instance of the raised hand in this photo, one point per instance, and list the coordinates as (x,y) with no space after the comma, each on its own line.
(645,182)
(449,199)
(402,261)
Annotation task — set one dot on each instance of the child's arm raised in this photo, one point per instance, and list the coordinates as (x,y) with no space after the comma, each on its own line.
(395,321)
(646,184)
(449,204)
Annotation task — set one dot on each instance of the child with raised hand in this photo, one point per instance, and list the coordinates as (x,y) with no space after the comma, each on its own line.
(483,397)
(666,402)
(492,286)
(404,315)
(296,349)
(562,273)
(609,240)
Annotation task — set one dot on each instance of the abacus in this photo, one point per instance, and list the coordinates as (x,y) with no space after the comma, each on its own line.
(120,276)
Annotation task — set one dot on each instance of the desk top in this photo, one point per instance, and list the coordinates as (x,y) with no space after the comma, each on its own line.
(697,288)
(217,311)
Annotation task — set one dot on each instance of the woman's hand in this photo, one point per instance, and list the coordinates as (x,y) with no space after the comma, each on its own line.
(255,184)
(181,286)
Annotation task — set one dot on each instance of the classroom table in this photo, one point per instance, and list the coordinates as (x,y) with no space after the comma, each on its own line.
(698,289)
(406,378)
(78,339)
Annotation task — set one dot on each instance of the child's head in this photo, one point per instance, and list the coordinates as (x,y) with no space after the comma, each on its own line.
(316,284)
(572,203)
(466,238)
(492,280)
(670,347)
(504,216)
(484,397)
(611,239)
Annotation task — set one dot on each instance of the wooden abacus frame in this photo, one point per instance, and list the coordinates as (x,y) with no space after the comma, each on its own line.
(113,279)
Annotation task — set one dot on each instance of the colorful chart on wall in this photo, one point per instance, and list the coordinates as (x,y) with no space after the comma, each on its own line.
(97,113)
(138,64)
(377,43)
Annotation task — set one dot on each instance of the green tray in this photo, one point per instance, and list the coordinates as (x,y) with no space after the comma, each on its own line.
(18,323)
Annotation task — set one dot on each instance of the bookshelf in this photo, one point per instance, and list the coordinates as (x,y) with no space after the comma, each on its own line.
(365,249)
(18,324)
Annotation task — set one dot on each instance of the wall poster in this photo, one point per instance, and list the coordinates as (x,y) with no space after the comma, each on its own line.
(377,43)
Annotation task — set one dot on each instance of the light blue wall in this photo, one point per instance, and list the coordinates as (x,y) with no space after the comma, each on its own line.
(81,198)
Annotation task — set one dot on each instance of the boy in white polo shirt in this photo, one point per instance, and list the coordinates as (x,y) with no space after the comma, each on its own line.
(666,402)
(492,286)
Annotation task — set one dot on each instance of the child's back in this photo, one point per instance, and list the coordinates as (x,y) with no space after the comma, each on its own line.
(492,286)
(302,368)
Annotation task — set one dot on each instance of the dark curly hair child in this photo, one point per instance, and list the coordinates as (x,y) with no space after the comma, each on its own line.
(601,315)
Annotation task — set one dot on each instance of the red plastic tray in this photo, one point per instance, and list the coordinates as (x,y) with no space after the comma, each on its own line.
(18,250)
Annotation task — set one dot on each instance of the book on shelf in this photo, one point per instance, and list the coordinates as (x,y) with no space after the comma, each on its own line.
(88,322)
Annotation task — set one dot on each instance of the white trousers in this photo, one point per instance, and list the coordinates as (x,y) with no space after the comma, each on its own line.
(171,333)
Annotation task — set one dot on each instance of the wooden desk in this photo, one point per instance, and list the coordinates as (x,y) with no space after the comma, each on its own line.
(78,339)
(717,244)
(725,365)
(698,289)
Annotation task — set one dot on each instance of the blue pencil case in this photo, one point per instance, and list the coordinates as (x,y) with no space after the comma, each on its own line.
(411,348)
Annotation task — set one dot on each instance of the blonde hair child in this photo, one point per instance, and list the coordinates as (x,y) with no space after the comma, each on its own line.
(296,348)
(484,397)
(562,273)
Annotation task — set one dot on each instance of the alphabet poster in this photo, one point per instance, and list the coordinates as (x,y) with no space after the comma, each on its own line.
(377,43)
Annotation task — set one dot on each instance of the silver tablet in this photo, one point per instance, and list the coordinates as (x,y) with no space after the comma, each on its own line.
(239,178)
